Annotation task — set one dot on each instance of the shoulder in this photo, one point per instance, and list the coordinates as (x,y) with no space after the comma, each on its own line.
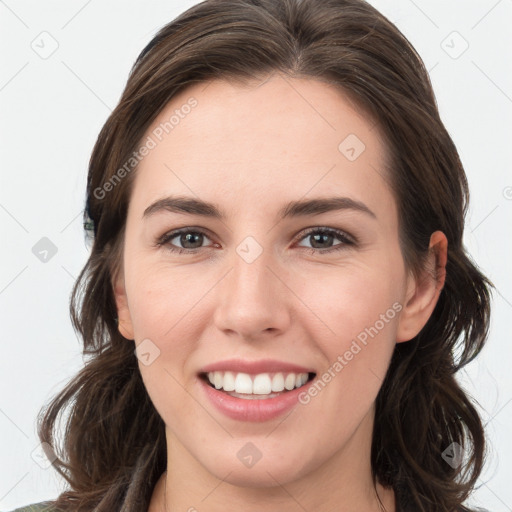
(43,506)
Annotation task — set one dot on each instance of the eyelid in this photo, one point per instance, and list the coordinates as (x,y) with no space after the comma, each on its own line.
(346,238)
(169,235)
(325,229)
(187,229)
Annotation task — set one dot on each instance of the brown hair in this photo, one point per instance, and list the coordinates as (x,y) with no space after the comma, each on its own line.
(114,447)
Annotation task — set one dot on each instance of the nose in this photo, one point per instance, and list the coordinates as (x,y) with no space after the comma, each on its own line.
(254,300)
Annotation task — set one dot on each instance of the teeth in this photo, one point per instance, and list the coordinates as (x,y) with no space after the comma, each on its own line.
(261,384)
(278,382)
(229,382)
(289,382)
(217,380)
(243,383)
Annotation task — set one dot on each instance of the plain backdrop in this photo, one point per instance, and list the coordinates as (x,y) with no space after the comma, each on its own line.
(63,67)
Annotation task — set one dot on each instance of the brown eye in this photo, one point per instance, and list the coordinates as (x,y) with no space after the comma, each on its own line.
(182,241)
(321,240)
(192,238)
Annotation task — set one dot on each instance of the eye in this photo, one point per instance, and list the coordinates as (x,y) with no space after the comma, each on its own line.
(322,237)
(191,240)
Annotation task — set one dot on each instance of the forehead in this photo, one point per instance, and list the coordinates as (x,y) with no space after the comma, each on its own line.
(276,138)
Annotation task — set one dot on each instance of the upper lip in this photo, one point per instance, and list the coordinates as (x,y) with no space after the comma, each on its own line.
(254,367)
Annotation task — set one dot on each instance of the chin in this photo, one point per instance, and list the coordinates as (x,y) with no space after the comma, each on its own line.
(264,477)
(278,469)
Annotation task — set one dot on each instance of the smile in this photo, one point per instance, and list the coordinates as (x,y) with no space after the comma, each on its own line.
(260,386)
(253,397)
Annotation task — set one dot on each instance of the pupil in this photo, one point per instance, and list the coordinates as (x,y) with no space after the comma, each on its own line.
(189,238)
(316,236)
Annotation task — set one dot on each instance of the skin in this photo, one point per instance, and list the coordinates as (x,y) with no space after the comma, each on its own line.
(250,150)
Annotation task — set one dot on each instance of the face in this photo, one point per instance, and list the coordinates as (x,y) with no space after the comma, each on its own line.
(254,287)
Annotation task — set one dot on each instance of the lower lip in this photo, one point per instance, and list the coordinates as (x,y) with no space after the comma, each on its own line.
(256,410)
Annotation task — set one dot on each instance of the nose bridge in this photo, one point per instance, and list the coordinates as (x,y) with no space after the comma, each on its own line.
(253,299)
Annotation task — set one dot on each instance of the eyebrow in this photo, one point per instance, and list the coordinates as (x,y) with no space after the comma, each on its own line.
(304,207)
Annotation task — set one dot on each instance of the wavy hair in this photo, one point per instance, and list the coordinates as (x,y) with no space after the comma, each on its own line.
(113,448)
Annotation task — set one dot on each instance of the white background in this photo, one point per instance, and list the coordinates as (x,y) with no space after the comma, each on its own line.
(51,113)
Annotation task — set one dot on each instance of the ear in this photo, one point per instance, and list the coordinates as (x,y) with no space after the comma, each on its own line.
(123,313)
(423,292)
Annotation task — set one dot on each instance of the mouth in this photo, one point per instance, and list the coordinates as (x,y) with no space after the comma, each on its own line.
(261,386)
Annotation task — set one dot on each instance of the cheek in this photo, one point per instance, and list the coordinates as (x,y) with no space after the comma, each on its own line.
(354,327)
(163,299)
(164,309)
(168,302)
(349,299)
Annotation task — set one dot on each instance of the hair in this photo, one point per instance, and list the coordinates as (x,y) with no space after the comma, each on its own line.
(113,449)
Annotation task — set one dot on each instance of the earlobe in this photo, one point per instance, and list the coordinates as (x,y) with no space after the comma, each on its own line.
(423,292)
(124,323)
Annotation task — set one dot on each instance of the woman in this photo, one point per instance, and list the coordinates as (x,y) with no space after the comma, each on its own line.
(235,362)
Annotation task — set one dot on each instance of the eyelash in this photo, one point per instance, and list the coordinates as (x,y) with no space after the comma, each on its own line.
(346,240)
